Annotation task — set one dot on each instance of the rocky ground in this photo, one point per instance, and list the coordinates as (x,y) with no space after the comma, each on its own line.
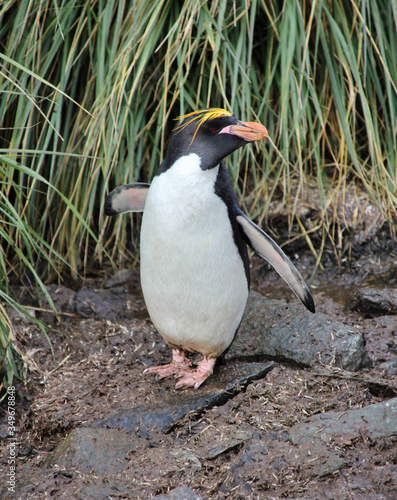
(302,406)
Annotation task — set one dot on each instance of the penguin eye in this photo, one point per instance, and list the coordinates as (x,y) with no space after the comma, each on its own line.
(214,129)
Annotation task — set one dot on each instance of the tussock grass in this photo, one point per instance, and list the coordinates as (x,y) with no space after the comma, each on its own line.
(89,91)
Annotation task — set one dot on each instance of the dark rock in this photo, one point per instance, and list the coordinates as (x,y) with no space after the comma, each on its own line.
(228,445)
(180,493)
(184,456)
(101,491)
(375,421)
(172,407)
(314,457)
(242,489)
(112,304)
(321,459)
(62,297)
(98,450)
(120,277)
(375,301)
(62,300)
(389,367)
(289,332)
(17,317)
(380,337)
(315,441)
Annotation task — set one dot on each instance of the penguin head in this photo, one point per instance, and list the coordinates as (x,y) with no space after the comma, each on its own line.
(211,134)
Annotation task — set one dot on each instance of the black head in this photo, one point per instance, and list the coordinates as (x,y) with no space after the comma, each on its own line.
(212,134)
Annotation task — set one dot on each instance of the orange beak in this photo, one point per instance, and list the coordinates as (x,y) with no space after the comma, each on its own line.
(249,131)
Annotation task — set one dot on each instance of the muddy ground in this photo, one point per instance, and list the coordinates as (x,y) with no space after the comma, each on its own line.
(242,447)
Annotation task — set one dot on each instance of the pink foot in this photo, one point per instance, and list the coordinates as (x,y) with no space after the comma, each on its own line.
(179,366)
(194,378)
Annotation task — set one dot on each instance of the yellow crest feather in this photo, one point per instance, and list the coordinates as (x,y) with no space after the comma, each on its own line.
(201,116)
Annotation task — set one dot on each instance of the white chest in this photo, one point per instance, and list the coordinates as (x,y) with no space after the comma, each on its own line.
(192,275)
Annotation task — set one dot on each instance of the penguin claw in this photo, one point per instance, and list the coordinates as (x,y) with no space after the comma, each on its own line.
(164,371)
(194,378)
(179,367)
(190,380)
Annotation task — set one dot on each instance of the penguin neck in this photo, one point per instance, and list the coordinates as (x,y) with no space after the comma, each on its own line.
(187,170)
(207,160)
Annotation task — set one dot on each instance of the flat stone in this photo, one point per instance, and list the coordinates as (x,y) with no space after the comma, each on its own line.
(180,493)
(121,277)
(317,457)
(101,491)
(62,297)
(390,368)
(314,458)
(171,407)
(184,456)
(375,301)
(100,450)
(227,445)
(289,332)
(376,421)
(313,445)
(113,304)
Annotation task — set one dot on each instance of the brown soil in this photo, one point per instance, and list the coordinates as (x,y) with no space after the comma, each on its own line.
(98,365)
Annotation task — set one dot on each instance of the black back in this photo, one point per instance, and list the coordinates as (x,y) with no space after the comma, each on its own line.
(224,189)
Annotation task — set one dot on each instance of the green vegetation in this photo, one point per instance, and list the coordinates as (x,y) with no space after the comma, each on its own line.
(89,90)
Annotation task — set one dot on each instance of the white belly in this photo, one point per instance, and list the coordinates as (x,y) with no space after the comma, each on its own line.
(192,275)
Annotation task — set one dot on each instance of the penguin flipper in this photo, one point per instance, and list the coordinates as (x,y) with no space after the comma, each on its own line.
(264,246)
(127,198)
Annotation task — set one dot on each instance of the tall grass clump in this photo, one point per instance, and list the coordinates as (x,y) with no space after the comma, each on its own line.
(89,90)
